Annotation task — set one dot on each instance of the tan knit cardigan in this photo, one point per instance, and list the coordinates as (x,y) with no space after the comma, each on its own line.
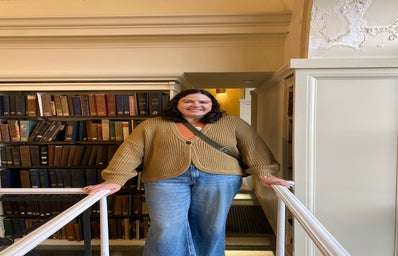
(165,153)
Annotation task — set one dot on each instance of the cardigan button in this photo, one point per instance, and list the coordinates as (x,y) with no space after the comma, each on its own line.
(188,142)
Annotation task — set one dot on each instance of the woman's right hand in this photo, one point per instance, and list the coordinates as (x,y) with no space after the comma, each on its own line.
(113,188)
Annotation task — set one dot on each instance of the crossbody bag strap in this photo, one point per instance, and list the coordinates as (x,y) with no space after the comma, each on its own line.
(211,142)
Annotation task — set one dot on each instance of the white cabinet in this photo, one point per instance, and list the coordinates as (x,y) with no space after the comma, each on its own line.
(345,151)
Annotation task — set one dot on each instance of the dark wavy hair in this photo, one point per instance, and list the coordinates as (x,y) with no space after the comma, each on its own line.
(170,112)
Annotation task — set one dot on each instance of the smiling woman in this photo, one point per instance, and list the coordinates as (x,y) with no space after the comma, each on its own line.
(194,107)
(182,173)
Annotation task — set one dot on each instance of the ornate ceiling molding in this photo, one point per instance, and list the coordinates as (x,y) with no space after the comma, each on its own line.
(219,24)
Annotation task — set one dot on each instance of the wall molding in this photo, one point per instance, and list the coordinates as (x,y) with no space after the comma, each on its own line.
(218,24)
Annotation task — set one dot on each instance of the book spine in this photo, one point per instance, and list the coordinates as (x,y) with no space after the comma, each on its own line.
(111,104)
(100,103)
(31,109)
(92,105)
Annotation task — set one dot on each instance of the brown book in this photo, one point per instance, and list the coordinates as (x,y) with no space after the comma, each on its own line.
(100,103)
(93,155)
(14,130)
(5,132)
(145,226)
(86,155)
(39,130)
(111,104)
(113,229)
(117,207)
(85,108)
(70,105)
(105,129)
(70,231)
(126,205)
(16,157)
(63,232)
(71,156)
(24,176)
(92,105)
(155,103)
(78,232)
(125,129)
(57,155)
(111,151)
(20,105)
(31,103)
(139,229)
(64,105)
(126,229)
(52,108)
(144,206)
(99,131)
(71,129)
(133,105)
(24,152)
(119,130)
(34,155)
(65,155)
(49,130)
(143,103)
(78,155)
(58,105)
(95,229)
(44,102)
(92,130)
(59,126)
(50,155)
(8,155)
(102,157)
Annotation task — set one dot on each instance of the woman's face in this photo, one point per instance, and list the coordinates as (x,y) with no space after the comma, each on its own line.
(194,106)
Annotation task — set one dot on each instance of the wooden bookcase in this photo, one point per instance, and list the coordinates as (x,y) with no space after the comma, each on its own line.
(83,124)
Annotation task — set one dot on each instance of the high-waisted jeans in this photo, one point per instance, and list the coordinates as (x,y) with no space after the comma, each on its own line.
(188,213)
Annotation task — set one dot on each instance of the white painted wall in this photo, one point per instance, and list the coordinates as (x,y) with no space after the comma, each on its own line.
(346,140)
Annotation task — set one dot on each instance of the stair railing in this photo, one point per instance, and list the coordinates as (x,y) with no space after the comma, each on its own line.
(325,242)
(27,243)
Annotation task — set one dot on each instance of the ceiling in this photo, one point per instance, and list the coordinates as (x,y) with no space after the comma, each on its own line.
(226,79)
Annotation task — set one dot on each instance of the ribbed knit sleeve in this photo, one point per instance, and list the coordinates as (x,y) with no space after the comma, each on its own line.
(123,165)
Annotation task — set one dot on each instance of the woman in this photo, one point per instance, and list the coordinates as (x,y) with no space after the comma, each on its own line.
(189,185)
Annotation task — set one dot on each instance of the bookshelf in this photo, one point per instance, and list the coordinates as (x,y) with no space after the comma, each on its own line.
(288,144)
(62,134)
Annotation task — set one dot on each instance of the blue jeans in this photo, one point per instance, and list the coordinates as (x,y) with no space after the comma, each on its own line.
(188,213)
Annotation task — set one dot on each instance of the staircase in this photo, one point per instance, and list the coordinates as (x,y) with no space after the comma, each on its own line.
(248,234)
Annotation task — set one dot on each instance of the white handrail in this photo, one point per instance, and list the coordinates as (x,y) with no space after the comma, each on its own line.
(325,242)
(27,243)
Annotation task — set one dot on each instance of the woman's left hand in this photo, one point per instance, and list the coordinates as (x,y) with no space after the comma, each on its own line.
(272,180)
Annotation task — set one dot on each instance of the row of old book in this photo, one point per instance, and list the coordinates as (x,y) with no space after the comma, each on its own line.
(56,155)
(119,228)
(60,178)
(13,130)
(49,178)
(119,205)
(85,104)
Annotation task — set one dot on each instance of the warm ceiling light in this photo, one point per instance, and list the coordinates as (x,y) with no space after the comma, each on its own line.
(219,91)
